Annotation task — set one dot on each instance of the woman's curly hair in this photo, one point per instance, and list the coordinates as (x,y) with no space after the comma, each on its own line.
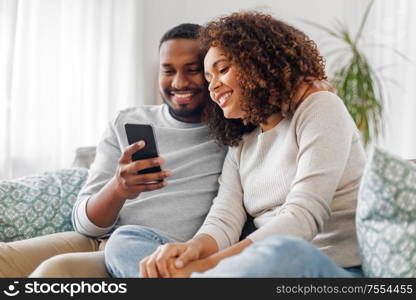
(272,58)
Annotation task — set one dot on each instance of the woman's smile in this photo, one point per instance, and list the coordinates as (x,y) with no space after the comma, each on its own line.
(224,87)
(222,98)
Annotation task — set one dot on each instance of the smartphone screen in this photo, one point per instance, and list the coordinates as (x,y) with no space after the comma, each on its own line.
(143,132)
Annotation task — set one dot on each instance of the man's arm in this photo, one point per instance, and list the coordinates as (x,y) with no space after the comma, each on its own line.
(111,181)
(103,208)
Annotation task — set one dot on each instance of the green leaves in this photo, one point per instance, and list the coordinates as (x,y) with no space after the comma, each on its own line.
(355,81)
(358,86)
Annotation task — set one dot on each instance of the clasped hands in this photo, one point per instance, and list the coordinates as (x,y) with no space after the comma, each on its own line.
(173,260)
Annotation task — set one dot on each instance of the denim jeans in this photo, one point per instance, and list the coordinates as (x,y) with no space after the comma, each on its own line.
(127,246)
(276,256)
(280,256)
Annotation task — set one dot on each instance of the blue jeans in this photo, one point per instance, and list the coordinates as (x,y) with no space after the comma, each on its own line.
(276,256)
(127,246)
(280,256)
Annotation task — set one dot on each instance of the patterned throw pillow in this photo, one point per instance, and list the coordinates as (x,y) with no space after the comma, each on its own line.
(386,217)
(40,204)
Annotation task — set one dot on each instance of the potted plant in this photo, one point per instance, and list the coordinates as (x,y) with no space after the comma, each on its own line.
(355,81)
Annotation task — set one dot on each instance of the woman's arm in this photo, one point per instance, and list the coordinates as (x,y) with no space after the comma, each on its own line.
(221,229)
(325,134)
(209,262)
(208,250)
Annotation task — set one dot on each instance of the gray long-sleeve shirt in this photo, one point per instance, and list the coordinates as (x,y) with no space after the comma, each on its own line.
(300,178)
(178,209)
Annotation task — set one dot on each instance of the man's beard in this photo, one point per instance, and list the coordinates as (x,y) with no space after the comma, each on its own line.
(184,112)
(187,113)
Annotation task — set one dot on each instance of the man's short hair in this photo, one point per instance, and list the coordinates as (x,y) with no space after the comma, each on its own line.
(182,31)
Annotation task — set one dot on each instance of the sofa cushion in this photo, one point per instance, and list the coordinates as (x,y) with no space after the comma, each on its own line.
(40,204)
(386,216)
(84,157)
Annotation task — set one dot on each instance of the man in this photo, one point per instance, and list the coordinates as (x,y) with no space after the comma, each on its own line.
(116,195)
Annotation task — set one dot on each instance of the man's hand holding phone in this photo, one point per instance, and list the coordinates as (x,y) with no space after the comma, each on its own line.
(129,183)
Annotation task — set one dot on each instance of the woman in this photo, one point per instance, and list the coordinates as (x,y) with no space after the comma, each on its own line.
(294,164)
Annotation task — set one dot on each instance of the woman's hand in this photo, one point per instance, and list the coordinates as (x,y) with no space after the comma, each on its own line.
(168,258)
(210,261)
(200,265)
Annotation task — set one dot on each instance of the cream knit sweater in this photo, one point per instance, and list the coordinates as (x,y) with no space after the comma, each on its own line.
(299,178)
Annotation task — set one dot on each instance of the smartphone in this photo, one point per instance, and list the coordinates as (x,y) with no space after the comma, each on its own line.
(143,132)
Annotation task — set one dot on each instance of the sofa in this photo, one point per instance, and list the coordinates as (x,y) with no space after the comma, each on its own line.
(386,212)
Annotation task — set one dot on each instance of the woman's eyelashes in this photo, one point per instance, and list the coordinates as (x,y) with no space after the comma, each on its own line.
(224,70)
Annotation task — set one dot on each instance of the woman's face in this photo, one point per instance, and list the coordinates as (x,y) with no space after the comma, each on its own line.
(224,88)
